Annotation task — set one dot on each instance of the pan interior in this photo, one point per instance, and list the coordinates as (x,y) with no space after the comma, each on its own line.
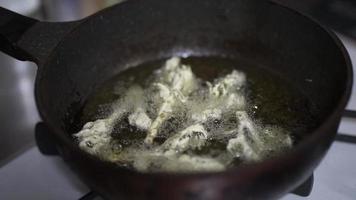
(278,112)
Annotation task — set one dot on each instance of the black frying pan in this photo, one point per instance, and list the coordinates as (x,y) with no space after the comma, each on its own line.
(74,58)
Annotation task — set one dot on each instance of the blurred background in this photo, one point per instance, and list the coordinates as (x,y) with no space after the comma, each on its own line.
(18,113)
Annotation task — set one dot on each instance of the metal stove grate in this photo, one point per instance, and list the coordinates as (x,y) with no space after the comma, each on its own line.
(342,137)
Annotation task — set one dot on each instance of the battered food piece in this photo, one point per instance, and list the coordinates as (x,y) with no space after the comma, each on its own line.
(176,82)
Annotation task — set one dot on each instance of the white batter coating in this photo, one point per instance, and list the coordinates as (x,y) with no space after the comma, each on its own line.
(176,82)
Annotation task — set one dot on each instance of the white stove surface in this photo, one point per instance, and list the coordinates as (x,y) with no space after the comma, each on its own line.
(34,176)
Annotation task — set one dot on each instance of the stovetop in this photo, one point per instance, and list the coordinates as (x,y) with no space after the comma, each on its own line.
(28,174)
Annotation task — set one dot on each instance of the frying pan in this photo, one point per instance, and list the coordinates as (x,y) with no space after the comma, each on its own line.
(74,58)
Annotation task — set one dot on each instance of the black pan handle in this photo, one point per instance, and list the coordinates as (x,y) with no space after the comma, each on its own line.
(12,27)
(28,39)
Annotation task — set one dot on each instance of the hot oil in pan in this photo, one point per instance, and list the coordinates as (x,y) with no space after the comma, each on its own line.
(271,101)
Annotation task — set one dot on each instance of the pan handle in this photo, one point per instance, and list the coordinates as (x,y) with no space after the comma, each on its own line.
(12,27)
(28,39)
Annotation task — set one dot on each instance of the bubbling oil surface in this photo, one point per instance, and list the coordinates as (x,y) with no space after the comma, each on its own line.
(272,101)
